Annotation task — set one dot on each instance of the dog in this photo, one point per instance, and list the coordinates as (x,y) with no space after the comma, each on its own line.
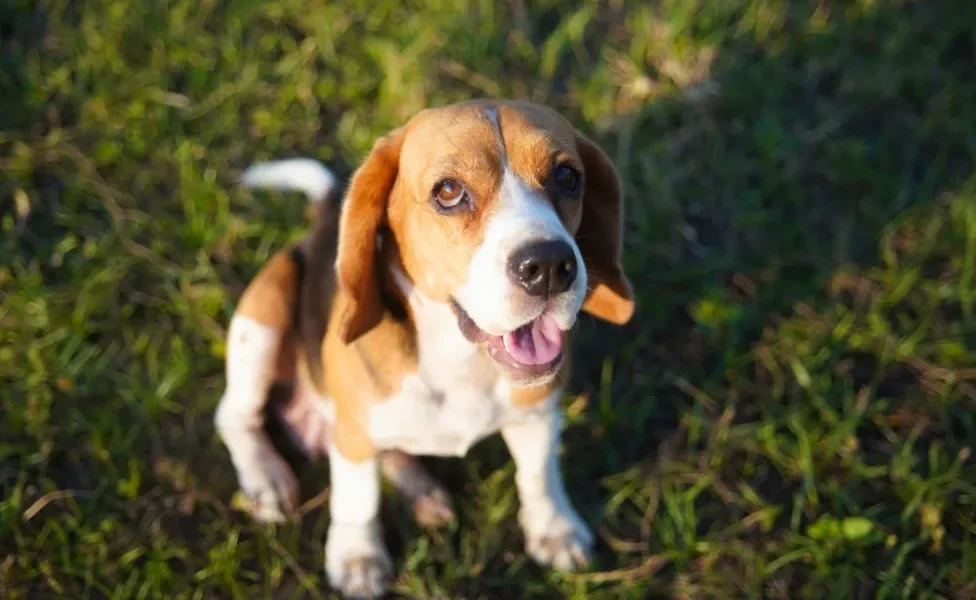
(431,308)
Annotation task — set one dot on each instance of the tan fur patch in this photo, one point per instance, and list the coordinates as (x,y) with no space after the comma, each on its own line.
(270,296)
(269,299)
(369,370)
(363,214)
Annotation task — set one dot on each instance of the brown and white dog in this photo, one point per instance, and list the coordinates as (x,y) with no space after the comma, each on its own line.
(432,311)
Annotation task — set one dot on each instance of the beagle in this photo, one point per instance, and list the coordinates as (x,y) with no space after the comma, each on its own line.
(431,309)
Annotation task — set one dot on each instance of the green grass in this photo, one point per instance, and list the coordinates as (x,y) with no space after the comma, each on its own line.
(790,416)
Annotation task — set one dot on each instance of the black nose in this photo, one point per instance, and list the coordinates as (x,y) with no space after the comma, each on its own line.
(544,268)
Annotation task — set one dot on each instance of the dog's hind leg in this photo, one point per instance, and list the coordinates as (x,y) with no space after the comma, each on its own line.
(426,495)
(297,412)
(309,431)
(259,353)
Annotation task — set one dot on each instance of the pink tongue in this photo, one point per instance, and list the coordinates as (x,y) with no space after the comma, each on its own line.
(537,343)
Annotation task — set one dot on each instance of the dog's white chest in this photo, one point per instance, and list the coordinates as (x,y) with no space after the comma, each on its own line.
(424,421)
(456,398)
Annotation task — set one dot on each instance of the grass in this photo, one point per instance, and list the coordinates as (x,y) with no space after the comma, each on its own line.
(790,416)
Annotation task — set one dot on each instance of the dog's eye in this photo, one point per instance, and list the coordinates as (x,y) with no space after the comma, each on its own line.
(567,179)
(449,194)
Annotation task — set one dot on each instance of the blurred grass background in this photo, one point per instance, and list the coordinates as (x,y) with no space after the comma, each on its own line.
(790,415)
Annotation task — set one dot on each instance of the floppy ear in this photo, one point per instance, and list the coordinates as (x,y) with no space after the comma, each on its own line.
(600,237)
(363,213)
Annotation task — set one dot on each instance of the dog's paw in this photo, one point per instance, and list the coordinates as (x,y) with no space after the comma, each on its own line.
(364,577)
(433,509)
(356,562)
(569,551)
(565,543)
(431,504)
(270,487)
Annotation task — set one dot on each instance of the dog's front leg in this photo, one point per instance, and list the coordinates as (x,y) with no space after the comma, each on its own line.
(356,560)
(555,535)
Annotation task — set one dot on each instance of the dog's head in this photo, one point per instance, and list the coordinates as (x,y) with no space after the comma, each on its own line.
(501,209)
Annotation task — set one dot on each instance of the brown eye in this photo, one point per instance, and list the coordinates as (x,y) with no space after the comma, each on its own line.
(449,194)
(567,179)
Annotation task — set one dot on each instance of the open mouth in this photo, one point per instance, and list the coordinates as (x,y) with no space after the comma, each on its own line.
(534,349)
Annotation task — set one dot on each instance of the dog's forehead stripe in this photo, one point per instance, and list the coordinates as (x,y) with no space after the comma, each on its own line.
(495,120)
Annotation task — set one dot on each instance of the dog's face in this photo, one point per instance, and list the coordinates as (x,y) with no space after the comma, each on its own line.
(502,210)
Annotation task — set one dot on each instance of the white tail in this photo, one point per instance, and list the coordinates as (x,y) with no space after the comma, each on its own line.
(305,175)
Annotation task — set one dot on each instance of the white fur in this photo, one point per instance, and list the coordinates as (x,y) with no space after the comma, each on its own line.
(252,350)
(355,494)
(496,122)
(294,174)
(489,296)
(356,560)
